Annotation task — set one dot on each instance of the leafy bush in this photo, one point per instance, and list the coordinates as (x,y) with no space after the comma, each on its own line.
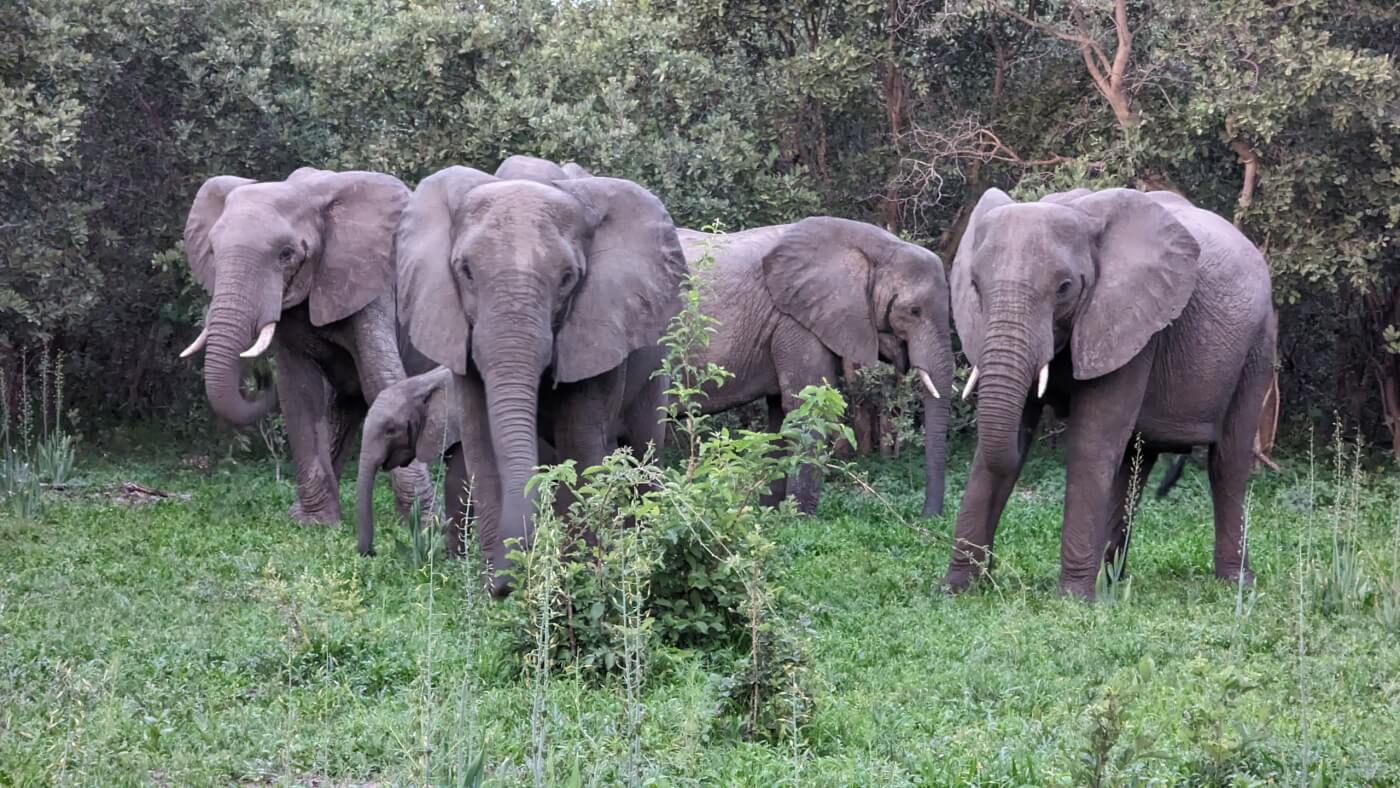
(681,555)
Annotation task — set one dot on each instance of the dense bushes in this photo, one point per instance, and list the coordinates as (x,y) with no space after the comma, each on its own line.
(1278,116)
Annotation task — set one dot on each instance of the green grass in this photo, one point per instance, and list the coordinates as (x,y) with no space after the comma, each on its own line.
(214,642)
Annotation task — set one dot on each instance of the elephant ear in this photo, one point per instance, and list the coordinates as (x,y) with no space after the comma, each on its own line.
(429,304)
(359,212)
(1147,264)
(967,307)
(820,274)
(632,286)
(208,207)
(574,170)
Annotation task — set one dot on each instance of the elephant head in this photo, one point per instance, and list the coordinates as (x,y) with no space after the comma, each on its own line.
(415,418)
(322,238)
(866,295)
(1098,273)
(530,168)
(523,281)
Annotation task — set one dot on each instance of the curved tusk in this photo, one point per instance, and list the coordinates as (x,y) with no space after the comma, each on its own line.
(197,345)
(1044,381)
(971,381)
(264,339)
(928,384)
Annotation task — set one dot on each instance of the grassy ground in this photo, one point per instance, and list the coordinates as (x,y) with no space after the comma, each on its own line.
(212,641)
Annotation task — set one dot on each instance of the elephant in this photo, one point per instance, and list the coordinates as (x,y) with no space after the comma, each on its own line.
(538,296)
(793,301)
(310,259)
(416,419)
(530,168)
(1131,313)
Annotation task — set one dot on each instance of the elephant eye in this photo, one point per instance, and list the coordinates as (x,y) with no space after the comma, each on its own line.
(286,254)
(466,269)
(568,280)
(1064,288)
(915,311)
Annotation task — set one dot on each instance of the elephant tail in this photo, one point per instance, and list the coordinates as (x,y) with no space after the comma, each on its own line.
(1172,476)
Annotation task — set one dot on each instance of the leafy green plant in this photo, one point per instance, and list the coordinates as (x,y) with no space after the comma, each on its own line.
(1105,752)
(35,449)
(675,555)
(1342,582)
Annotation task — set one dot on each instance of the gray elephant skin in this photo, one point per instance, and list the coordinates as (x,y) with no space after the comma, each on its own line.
(1131,313)
(417,419)
(307,262)
(537,295)
(793,301)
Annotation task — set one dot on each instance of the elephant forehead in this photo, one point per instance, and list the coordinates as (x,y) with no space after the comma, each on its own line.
(1031,231)
(520,204)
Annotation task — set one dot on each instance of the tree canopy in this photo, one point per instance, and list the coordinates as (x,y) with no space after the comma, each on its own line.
(1282,115)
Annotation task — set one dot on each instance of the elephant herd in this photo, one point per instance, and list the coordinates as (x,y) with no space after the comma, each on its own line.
(496,322)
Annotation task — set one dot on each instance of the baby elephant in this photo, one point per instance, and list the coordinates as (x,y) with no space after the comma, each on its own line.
(415,419)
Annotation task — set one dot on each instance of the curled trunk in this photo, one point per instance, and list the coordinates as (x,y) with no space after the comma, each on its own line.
(231,330)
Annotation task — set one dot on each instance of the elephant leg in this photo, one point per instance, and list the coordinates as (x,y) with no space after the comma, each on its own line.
(803,361)
(642,420)
(983,501)
(456,500)
(346,416)
(777,491)
(302,390)
(1105,412)
(1126,496)
(582,425)
(478,458)
(1230,461)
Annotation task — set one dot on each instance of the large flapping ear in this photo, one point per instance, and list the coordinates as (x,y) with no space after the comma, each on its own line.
(967,307)
(359,212)
(208,207)
(429,304)
(820,274)
(631,289)
(1147,263)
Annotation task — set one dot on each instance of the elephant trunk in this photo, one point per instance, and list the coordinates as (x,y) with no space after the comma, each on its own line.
(370,463)
(1011,355)
(231,330)
(936,359)
(516,347)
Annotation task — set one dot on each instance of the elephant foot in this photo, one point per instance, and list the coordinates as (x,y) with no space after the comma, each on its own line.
(959,579)
(807,506)
(305,516)
(933,509)
(1232,575)
(1077,589)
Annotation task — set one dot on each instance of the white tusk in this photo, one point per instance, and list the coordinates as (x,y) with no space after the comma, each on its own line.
(264,339)
(1044,381)
(971,381)
(197,345)
(928,384)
